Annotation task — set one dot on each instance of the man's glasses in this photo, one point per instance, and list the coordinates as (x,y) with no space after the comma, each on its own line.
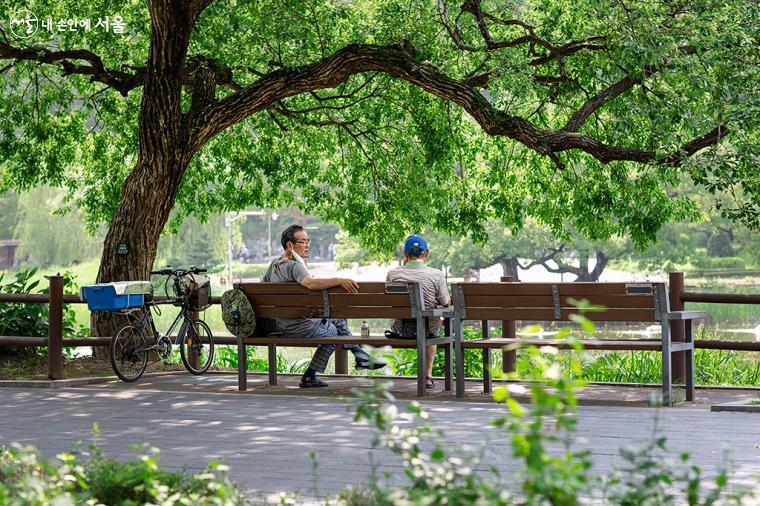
(306,242)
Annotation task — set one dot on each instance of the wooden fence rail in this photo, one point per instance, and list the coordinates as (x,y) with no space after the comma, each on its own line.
(56,298)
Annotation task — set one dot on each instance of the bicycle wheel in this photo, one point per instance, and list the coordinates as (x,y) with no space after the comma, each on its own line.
(129,353)
(196,347)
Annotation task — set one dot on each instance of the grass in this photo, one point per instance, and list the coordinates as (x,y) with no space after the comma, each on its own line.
(712,367)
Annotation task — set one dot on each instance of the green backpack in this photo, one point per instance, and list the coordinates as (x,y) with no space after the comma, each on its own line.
(237,313)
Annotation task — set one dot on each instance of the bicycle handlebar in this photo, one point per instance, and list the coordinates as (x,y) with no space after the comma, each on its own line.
(168,271)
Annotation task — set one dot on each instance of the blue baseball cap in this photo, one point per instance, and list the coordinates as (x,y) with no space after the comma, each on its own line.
(415,245)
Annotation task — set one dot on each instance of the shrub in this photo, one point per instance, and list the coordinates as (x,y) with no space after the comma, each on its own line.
(25,478)
(542,436)
(728,263)
(31,320)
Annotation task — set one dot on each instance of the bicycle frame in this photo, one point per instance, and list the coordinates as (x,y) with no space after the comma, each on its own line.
(146,321)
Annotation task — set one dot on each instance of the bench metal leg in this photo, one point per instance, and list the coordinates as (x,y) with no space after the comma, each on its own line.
(487,382)
(459,357)
(272,364)
(421,356)
(448,366)
(667,371)
(242,367)
(690,376)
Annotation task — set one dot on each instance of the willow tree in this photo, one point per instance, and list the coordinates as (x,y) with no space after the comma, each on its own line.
(382,115)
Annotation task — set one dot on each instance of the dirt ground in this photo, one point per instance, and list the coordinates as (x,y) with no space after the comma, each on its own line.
(35,367)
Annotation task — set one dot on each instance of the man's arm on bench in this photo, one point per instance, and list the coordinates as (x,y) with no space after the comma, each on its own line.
(313,283)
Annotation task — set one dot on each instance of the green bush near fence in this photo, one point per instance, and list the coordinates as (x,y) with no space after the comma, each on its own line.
(31,320)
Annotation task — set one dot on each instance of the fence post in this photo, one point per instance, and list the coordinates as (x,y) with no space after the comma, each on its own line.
(55,328)
(508,358)
(677,328)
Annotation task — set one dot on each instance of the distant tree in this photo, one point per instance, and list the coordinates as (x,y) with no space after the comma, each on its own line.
(531,246)
(8,215)
(195,243)
(49,237)
(200,251)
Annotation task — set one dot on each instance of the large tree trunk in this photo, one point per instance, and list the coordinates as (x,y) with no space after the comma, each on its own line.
(149,191)
(130,246)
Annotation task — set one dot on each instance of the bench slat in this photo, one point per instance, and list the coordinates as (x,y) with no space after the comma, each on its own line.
(289,312)
(611,315)
(370,299)
(588,344)
(565,289)
(546,301)
(364,287)
(255,289)
(310,299)
(370,312)
(375,341)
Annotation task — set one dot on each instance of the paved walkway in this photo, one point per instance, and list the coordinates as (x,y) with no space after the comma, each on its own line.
(608,394)
(267,439)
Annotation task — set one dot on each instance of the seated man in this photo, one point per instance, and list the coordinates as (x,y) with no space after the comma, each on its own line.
(291,268)
(434,292)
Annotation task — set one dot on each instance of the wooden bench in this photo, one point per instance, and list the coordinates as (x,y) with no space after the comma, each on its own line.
(374,300)
(624,302)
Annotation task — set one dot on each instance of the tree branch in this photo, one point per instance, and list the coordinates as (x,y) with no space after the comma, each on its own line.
(709,139)
(196,7)
(556,51)
(396,61)
(614,90)
(121,81)
(545,258)
(592,105)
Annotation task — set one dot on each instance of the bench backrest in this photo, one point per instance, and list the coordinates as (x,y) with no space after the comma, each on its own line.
(374,300)
(624,302)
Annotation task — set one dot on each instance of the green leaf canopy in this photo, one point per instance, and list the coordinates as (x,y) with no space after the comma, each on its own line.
(600,109)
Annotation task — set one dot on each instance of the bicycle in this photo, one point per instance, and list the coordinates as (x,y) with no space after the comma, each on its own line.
(135,340)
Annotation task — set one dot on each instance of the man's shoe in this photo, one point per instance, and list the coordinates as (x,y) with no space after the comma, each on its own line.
(370,363)
(311,382)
